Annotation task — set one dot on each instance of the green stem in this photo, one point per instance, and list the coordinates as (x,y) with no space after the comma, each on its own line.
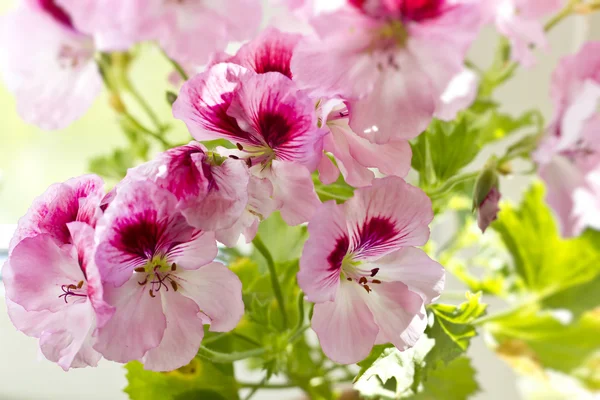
(298,334)
(246,338)
(329,196)
(177,66)
(262,249)
(132,120)
(264,385)
(224,358)
(300,311)
(450,183)
(145,106)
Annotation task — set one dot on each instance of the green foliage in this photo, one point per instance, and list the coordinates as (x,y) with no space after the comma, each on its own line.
(452,328)
(455,381)
(285,242)
(339,191)
(560,272)
(113,166)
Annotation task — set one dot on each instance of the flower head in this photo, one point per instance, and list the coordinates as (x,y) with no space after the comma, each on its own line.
(159,275)
(54,293)
(361,268)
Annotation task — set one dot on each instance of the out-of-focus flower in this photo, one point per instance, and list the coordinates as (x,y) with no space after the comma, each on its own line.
(54,293)
(159,275)
(212,190)
(48,64)
(569,155)
(273,124)
(189,31)
(361,268)
(487,196)
(520,21)
(384,58)
(553,385)
(77,199)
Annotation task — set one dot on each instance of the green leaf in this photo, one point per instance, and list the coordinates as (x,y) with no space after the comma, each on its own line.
(452,327)
(198,377)
(339,191)
(548,265)
(391,374)
(455,381)
(113,166)
(542,337)
(284,242)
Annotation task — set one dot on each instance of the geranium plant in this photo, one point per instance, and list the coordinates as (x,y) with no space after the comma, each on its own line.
(289,228)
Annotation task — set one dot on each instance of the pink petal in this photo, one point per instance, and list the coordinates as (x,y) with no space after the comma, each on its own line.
(182,337)
(293,190)
(487,211)
(321,261)
(42,60)
(328,172)
(271,51)
(218,293)
(77,199)
(345,327)
(37,269)
(399,107)
(354,173)
(200,250)
(387,216)
(137,326)
(276,115)
(460,93)
(398,312)
(415,269)
(225,200)
(141,222)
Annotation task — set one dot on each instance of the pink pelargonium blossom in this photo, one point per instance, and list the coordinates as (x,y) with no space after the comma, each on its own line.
(54,293)
(47,64)
(356,155)
(189,31)
(77,199)
(520,21)
(273,124)
(570,152)
(384,58)
(212,190)
(159,275)
(362,269)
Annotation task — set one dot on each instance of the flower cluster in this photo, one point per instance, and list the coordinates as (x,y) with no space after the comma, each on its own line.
(131,274)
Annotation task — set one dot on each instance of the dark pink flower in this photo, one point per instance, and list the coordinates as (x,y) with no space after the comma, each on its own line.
(159,275)
(360,265)
(54,293)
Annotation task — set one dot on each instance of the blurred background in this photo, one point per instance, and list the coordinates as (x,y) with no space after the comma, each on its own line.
(31,160)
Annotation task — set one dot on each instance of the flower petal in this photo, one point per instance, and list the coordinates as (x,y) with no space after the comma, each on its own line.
(218,293)
(182,337)
(328,172)
(137,326)
(321,260)
(345,327)
(200,250)
(387,216)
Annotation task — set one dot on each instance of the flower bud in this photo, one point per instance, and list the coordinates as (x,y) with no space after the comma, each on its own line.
(487,195)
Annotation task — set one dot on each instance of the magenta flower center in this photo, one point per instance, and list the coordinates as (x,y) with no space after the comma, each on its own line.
(405,10)
(56,12)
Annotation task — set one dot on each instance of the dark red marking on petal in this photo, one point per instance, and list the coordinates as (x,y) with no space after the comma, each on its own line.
(56,12)
(419,10)
(339,252)
(376,235)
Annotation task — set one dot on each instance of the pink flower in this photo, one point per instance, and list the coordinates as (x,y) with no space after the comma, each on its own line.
(384,58)
(273,124)
(77,199)
(54,293)
(159,275)
(355,155)
(570,153)
(520,21)
(189,31)
(47,64)
(487,210)
(212,191)
(360,265)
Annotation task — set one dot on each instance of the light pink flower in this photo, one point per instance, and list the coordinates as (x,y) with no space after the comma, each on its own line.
(54,293)
(189,31)
(355,155)
(212,191)
(273,124)
(47,64)
(77,199)
(360,265)
(570,152)
(487,211)
(521,22)
(384,58)
(159,275)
